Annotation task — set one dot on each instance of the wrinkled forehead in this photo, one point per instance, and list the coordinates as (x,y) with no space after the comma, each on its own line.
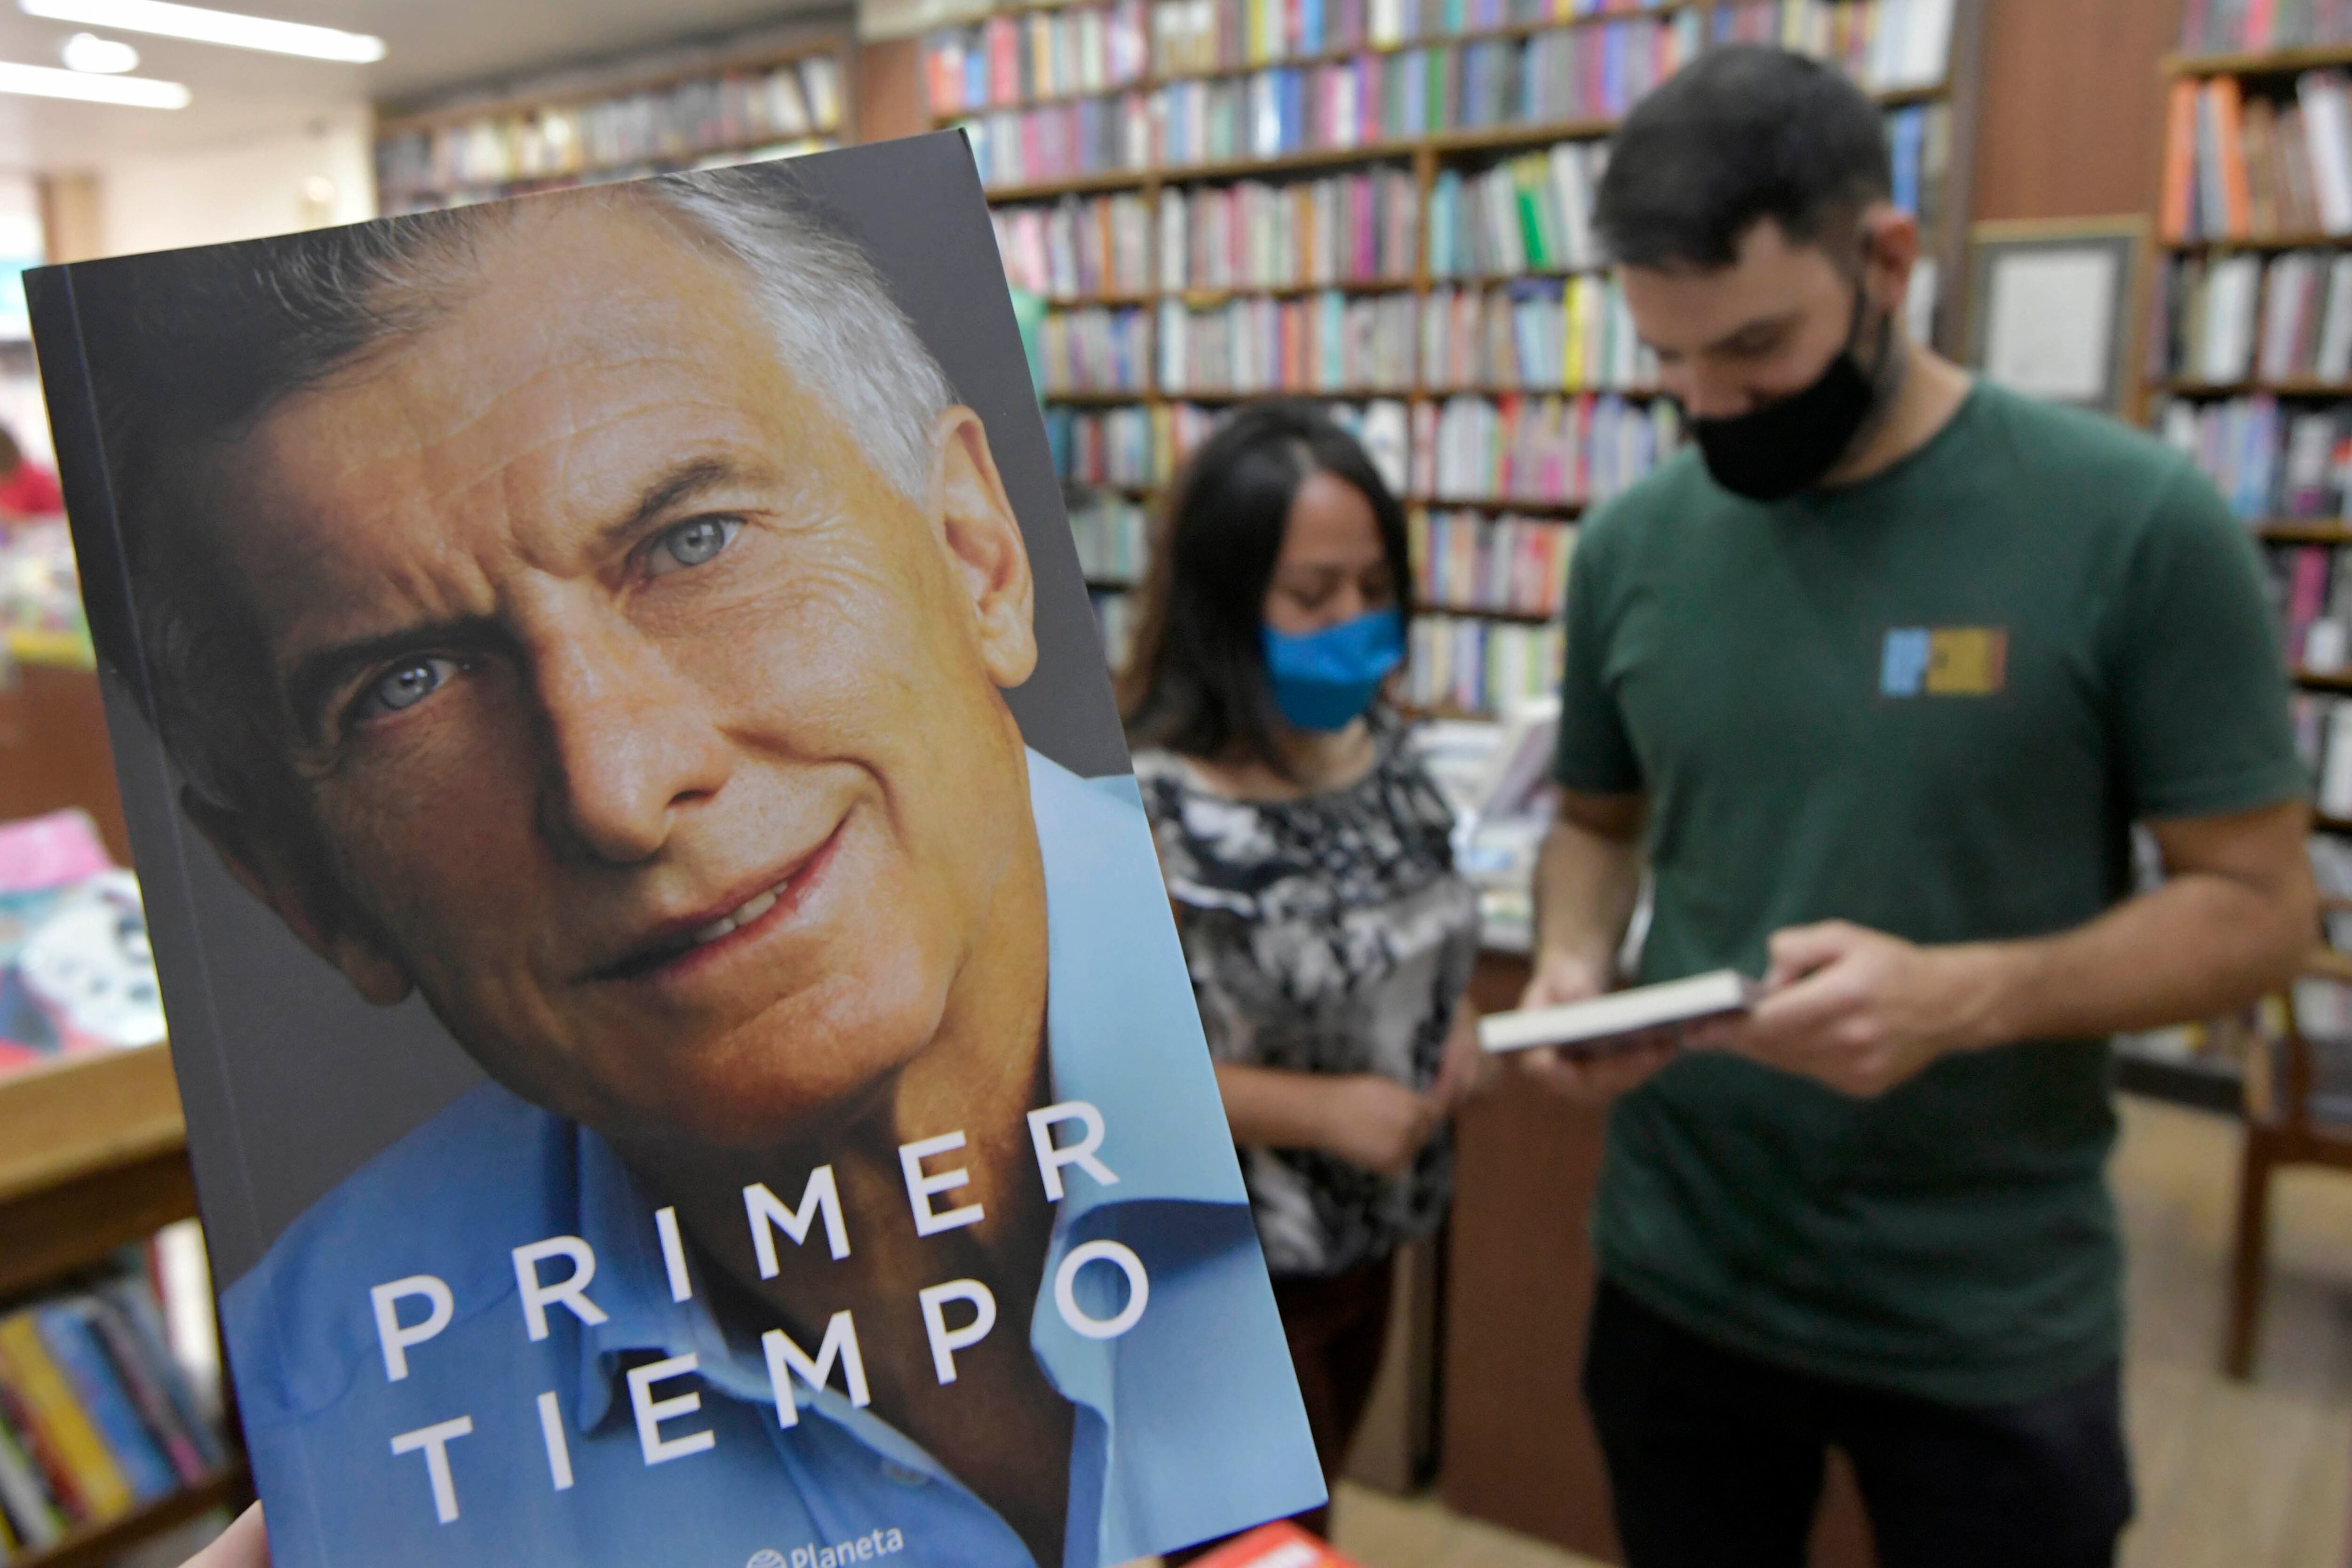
(589,359)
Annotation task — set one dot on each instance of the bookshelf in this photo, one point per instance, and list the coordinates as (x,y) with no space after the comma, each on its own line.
(1229,200)
(2248,366)
(93,1157)
(740,107)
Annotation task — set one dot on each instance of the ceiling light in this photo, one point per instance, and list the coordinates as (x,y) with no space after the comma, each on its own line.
(47,81)
(106,57)
(207,26)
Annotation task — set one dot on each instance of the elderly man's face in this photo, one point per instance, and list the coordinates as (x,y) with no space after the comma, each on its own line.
(646,728)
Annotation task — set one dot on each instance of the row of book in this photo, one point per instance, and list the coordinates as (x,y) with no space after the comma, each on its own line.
(1552,449)
(2252,27)
(1348,228)
(1470,665)
(1891,41)
(97,1415)
(1329,341)
(1540,334)
(2266,460)
(1467,560)
(1138,448)
(1012,58)
(734,109)
(1587,74)
(2237,316)
(1134,448)
(2323,738)
(2311,592)
(1095,349)
(1115,618)
(2248,168)
(1532,213)
(1109,531)
(1529,212)
(1009,61)
(1077,248)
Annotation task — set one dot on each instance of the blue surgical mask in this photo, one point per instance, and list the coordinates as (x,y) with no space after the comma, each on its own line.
(1324,681)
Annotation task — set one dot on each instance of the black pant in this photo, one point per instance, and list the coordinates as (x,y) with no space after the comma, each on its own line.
(1715,1459)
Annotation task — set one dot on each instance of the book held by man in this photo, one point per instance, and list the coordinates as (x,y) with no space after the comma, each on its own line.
(686,1054)
(1622,1019)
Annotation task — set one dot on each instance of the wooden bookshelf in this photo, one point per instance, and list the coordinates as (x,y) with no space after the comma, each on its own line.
(1468,149)
(2295,531)
(502,108)
(2269,62)
(93,1546)
(93,1158)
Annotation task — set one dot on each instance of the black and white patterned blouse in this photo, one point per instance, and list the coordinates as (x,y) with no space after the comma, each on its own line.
(1326,934)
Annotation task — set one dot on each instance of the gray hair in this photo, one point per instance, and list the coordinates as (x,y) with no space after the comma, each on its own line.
(205,343)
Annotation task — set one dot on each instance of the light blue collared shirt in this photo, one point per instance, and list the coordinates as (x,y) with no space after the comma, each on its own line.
(1188,1424)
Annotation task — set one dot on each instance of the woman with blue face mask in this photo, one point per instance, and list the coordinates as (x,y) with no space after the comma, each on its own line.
(1308,857)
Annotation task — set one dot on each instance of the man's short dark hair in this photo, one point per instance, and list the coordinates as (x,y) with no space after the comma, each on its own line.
(1741,134)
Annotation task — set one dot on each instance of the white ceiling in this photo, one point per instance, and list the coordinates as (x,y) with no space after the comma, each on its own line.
(429,44)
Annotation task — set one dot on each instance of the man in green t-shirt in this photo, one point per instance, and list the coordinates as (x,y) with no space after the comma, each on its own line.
(1874,683)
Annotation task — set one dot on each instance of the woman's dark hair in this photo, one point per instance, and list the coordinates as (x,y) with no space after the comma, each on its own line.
(1196,683)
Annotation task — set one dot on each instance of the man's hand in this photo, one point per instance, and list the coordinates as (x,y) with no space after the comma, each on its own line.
(1375,1122)
(1861,1011)
(1587,1080)
(242,1546)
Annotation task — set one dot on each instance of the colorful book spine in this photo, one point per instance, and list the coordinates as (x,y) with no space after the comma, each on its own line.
(54,1411)
(66,1333)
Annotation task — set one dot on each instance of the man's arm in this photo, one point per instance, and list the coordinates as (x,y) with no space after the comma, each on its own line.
(1862,1011)
(1588,879)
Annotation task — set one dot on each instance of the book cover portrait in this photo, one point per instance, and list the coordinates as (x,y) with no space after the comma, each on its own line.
(686,1054)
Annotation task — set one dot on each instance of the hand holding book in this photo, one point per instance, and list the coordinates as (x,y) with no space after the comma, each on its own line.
(243,1545)
(1856,1009)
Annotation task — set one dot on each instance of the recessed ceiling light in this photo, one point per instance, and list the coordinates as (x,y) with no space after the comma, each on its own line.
(105,57)
(207,26)
(47,81)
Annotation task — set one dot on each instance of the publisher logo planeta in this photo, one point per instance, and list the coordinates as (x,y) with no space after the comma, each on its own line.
(865,1548)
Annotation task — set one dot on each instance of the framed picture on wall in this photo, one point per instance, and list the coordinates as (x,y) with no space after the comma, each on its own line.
(2050,307)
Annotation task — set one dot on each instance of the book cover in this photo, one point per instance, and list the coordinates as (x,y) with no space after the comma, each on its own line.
(686,1053)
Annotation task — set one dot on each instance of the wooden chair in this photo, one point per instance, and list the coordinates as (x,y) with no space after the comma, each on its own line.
(2280,1131)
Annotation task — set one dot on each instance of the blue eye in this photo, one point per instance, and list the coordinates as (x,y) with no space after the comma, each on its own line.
(405,685)
(691,544)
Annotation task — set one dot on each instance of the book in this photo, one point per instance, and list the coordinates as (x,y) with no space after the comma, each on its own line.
(1617,1019)
(609,1167)
(68,1335)
(24,1499)
(64,1427)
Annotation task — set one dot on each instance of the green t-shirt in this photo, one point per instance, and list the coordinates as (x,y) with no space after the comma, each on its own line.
(1931,704)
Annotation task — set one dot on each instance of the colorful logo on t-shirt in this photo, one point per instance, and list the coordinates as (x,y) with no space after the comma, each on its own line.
(1944,661)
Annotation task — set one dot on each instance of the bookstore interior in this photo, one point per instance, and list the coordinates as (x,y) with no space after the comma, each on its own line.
(1383,210)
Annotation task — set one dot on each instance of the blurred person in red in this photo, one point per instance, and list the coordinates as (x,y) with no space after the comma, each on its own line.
(28,490)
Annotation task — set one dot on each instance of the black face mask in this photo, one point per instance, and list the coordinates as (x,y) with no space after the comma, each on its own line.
(1787,446)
